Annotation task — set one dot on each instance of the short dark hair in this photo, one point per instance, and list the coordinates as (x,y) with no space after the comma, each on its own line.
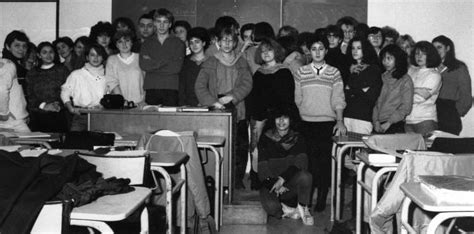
(226,22)
(432,57)
(43,44)
(200,33)
(263,30)
(450,60)
(270,44)
(66,40)
(98,49)
(15,34)
(289,43)
(376,30)
(347,20)
(182,23)
(361,30)
(303,39)
(146,16)
(164,12)
(388,31)
(124,34)
(292,31)
(125,21)
(369,56)
(99,29)
(320,32)
(246,27)
(318,39)
(401,62)
(84,40)
(335,30)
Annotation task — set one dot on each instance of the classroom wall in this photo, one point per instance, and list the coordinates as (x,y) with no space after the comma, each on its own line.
(424,20)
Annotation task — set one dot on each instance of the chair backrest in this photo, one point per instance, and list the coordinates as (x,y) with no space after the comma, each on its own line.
(165,140)
(126,164)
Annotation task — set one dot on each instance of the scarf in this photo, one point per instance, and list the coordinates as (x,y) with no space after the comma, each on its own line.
(287,141)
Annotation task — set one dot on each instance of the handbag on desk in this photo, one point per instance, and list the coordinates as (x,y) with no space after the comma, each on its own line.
(112,101)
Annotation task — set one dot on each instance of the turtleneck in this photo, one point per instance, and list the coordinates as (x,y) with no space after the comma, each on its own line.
(96,71)
(47,66)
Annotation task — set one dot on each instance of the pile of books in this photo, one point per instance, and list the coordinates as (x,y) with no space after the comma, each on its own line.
(160,108)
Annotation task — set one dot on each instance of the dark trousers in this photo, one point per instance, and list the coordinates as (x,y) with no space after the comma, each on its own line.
(319,142)
(166,97)
(299,187)
(448,116)
(242,149)
(398,127)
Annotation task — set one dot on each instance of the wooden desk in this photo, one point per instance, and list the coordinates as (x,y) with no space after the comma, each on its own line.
(138,122)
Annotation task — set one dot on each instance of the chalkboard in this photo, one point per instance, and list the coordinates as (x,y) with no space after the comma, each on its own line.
(181,9)
(308,15)
(305,15)
(244,11)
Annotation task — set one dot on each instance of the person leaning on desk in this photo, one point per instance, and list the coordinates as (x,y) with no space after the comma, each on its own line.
(85,87)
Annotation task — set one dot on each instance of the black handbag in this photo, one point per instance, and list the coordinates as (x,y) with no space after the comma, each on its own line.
(87,140)
(112,101)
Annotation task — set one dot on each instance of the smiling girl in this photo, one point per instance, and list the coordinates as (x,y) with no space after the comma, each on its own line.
(85,87)
(65,48)
(123,73)
(44,82)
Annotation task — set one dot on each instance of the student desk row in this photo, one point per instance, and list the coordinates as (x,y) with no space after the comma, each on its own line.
(138,122)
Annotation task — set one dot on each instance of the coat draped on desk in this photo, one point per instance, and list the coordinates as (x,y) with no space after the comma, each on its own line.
(27,183)
(412,165)
(199,200)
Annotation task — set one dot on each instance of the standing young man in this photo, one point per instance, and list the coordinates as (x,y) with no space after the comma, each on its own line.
(146,28)
(161,57)
(347,25)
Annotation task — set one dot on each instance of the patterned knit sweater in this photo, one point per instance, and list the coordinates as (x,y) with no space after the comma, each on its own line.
(319,96)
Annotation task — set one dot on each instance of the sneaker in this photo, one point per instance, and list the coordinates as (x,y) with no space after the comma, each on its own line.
(289,212)
(306,217)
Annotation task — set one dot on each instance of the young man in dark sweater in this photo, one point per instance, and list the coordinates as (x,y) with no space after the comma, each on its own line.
(161,57)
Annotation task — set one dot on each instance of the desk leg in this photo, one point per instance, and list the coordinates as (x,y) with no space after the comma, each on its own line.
(144,221)
(339,159)
(221,193)
(375,185)
(333,178)
(441,217)
(404,217)
(183,194)
(359,197)
(169,196)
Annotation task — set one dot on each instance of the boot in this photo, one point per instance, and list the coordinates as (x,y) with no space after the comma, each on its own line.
(321,200)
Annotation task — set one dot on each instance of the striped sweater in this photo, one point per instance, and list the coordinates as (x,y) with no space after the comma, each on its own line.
(319,96)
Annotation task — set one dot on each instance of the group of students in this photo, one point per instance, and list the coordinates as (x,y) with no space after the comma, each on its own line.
(295,90)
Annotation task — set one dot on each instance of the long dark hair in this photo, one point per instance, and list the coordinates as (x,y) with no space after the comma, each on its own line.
(450,61)
(369,56)
(401,62)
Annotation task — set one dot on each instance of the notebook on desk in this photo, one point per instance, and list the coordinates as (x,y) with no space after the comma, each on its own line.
(31,134)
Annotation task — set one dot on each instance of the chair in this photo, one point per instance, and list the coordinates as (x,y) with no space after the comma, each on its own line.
(53,218)
(120,206)
(161,158)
